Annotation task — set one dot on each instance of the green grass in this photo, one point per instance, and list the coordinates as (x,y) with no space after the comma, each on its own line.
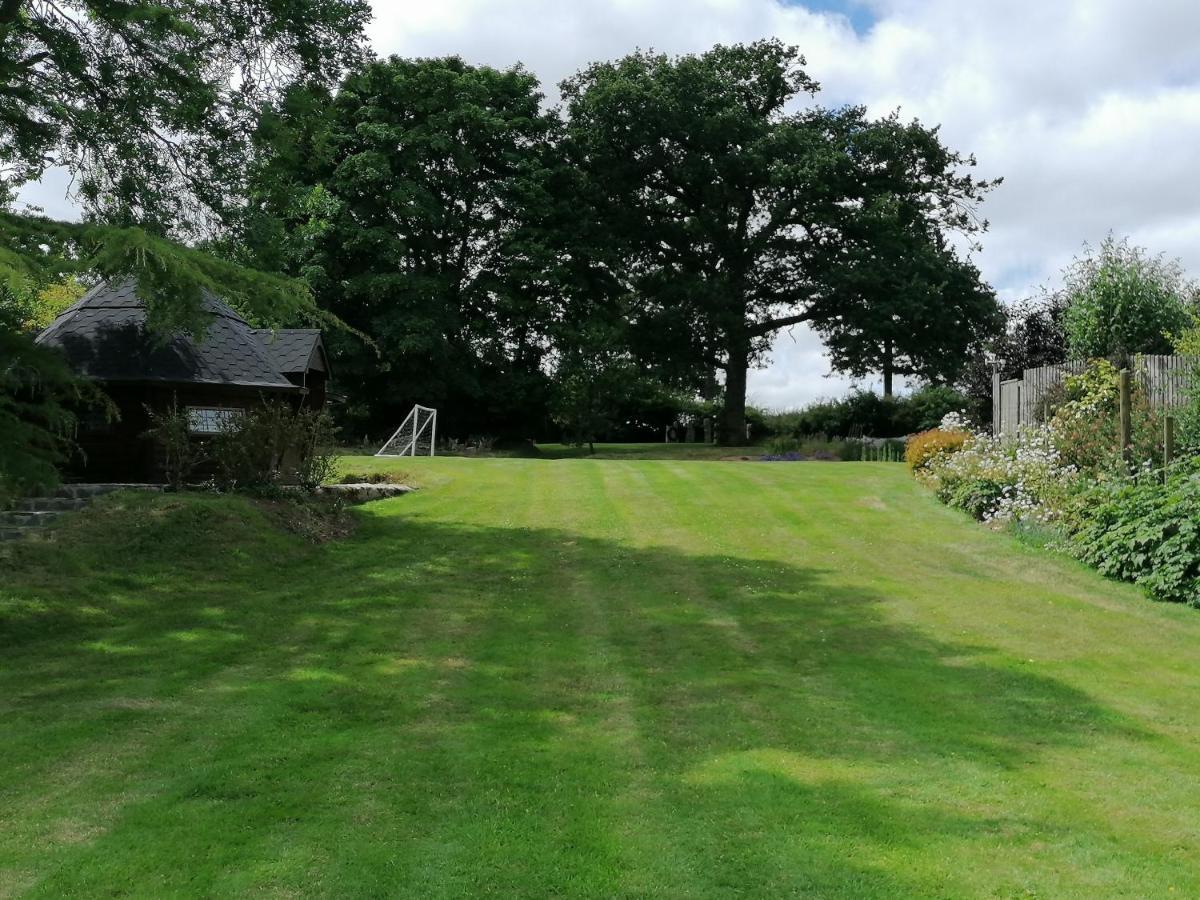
(590,678)
(647,451)
(603,451)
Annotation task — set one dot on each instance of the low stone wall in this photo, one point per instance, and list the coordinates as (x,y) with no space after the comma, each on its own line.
(364,492)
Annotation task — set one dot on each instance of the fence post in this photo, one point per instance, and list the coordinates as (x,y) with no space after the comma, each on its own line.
(1125,429)
(1168,443)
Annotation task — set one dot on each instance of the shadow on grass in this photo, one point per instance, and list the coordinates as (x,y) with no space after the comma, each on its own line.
(466,708)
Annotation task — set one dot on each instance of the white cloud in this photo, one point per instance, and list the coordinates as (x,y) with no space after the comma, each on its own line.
(1090,109)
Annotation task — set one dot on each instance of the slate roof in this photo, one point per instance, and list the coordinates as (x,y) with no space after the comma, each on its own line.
(292,350)
(104,337)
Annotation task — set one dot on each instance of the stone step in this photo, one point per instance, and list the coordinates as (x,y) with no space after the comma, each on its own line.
(12,534)
(75,491)
(28,519)
(43,504)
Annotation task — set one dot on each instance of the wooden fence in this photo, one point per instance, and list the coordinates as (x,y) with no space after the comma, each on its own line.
(1020,401)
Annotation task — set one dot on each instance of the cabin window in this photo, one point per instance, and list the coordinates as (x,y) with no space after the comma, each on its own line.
(209,419)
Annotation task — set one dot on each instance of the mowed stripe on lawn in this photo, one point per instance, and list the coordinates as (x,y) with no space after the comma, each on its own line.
(603,678)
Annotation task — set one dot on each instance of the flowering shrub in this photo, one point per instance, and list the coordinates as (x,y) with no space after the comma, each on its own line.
(955,421)
(924,448)
(1085,426)
(1000,479)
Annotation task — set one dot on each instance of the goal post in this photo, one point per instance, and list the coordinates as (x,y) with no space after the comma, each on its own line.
(416,436)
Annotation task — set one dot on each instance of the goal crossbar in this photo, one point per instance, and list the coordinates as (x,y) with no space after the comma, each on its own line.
(409,439)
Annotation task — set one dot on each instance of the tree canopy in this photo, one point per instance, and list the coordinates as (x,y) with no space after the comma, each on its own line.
(1120,300)
(730,196)
(413,203)
(906,304)
(149,103)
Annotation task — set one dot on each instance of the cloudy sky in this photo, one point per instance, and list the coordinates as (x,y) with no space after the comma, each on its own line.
(1089,109)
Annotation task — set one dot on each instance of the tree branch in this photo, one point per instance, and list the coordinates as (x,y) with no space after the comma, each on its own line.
(765,328)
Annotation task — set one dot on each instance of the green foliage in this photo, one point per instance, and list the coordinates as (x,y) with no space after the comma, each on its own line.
(781,445)
(35,308)
(182,453)
(906,303)
(414,203)
(1084,426)
(1187,414)
(978,497)
(272,444)
(1017,477)
(1032,335)
(1144,531)
(35,253)
(39,396)
(925,407)
(729,200)
(150,103)
(1121,301)
(39,399)
(593,384)
(866,412)
(150,106)
(268,445)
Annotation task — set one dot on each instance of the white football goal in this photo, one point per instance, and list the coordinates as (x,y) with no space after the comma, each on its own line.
(416,436)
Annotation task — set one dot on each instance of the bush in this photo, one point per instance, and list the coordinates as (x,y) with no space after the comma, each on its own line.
(171,429)
(1122,301)
(1012,478)
(925,408)
(923,448)
(781,445)
(867,413)
(1143,531)
(1085,424)
(978,497)
(273,444)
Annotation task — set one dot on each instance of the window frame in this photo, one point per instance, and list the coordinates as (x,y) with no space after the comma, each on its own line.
(206,421)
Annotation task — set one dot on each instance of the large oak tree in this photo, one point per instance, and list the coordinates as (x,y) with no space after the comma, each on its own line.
(730,195)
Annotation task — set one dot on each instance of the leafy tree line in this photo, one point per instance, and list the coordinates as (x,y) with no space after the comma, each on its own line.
(661,226)
(519,265)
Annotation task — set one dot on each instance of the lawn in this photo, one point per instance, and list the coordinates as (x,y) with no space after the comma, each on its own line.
(590,678)
(659,450)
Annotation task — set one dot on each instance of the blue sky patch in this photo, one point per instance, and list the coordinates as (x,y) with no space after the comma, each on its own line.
(857,11)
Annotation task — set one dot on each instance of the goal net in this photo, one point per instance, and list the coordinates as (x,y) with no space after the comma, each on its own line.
(415,436)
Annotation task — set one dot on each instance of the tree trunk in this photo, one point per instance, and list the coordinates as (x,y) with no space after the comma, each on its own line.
(733,413)
(888,367)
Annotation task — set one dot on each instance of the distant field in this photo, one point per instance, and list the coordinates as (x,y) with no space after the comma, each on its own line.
(646,451)
(611,678)
(625,451)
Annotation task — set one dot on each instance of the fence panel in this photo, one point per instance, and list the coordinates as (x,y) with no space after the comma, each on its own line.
(1164,377)
(1039,382)
(1010,404)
